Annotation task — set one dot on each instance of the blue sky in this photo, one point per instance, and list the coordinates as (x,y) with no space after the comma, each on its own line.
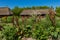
(29,3)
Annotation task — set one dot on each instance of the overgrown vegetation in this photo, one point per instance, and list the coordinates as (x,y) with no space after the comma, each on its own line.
(30,27)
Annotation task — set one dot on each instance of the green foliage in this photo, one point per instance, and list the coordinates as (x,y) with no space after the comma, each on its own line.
(9,32)
(9,19)
(57,21)
(16,10)
(37,7)
(31,28)
(42,7)
(40,30)
(58,11)
(3,19)
(1,35)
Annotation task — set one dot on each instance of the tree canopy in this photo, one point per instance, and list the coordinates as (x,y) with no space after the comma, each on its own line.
(57,11)
(16,10)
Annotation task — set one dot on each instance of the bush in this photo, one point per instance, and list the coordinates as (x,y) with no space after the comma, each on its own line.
(9,32)
(9,19)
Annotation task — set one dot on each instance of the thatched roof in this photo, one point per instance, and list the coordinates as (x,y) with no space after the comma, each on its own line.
(35,12)
(5,11)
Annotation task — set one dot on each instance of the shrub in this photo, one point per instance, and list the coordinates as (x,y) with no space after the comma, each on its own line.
(9,32)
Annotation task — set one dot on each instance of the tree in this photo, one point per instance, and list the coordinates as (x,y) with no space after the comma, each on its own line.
(40,7)
(33,7)
(16,10)
(44,7)
(27,8)
(57,11)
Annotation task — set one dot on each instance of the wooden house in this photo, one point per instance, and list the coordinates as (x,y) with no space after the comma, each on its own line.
(37,12)
(5,11)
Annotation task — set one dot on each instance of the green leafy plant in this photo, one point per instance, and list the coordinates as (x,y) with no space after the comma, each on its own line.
(31,28)
(9,32)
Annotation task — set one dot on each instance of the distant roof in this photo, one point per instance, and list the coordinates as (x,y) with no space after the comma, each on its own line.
(5,11)
(35,12)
